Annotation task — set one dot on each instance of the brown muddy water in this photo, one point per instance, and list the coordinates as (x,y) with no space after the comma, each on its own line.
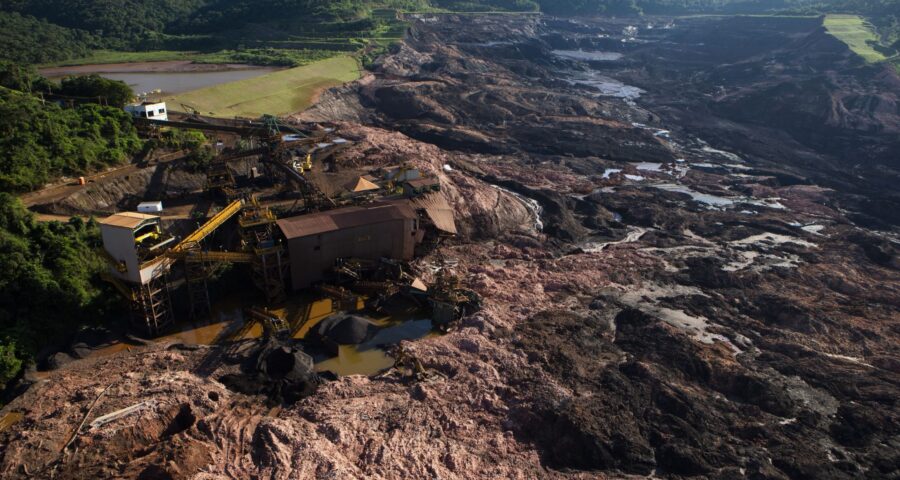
(156,77)
(229,323)
(10,419)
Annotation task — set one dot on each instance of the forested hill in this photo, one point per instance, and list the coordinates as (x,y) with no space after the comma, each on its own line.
(128,19)
(671,7)
(48,31)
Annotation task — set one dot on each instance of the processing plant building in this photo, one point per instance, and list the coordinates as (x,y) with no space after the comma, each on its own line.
(378,230)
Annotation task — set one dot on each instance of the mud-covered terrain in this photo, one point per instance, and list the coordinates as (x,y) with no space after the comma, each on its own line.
(685,240)
(790,98)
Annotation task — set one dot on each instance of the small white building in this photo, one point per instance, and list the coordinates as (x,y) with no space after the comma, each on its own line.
(153,111)
(134,242)
(150,207)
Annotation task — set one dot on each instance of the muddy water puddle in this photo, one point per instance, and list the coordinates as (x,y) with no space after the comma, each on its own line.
(351,360)
(370,357)
(229,323)
(603,85)
(10,419)
(590,56)
(715,201)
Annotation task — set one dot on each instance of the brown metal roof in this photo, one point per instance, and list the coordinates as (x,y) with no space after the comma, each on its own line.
(423,182)
(437,209)
(130,220)
(341,218)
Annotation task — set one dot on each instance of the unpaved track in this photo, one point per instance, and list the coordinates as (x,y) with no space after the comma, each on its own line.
(53,193)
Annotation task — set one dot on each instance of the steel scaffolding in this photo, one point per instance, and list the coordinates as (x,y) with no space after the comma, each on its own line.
(258,236)
(152,303)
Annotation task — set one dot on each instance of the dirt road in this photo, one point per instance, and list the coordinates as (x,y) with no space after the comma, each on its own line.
(67,187)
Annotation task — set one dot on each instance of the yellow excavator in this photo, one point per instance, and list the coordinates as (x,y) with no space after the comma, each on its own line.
(305,165)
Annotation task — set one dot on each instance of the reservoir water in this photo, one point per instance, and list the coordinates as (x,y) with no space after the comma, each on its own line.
(168,77)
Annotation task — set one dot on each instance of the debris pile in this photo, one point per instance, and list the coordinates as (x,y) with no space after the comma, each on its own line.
(343,330)
(278,369)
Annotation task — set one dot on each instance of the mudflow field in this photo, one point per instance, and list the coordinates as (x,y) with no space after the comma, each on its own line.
(686,244)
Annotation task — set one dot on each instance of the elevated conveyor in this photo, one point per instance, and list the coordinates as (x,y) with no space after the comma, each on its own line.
(269,128)
(206,229)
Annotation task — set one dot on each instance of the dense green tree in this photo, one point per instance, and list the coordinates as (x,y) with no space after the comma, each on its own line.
(49,282)
(40,141)
(25,39)
(96,88)
(16,77)
(109,18)
(10,363)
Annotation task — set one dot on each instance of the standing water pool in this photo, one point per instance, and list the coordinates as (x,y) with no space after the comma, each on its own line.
(166,77)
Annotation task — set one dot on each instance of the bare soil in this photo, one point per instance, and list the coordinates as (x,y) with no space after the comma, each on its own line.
(710,293)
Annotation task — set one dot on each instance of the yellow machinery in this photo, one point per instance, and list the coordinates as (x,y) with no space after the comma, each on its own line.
(180,250)
(259,250)
(198,264)
(257,228)
(152,234)
(307,164)
(260,247)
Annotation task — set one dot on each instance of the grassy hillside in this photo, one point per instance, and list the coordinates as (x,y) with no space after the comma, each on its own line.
(857,34)
(277,93)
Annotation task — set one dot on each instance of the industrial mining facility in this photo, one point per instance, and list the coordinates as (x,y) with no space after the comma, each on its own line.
(344,239)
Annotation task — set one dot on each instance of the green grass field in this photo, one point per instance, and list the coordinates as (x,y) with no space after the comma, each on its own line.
(855,32)
(278,93)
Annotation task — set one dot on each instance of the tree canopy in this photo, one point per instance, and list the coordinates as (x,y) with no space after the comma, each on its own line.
(49,270)
(40,141)
(25,39)
(48,287)
(94,87)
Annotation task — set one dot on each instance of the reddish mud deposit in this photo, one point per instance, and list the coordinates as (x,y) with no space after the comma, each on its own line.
(681,283)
